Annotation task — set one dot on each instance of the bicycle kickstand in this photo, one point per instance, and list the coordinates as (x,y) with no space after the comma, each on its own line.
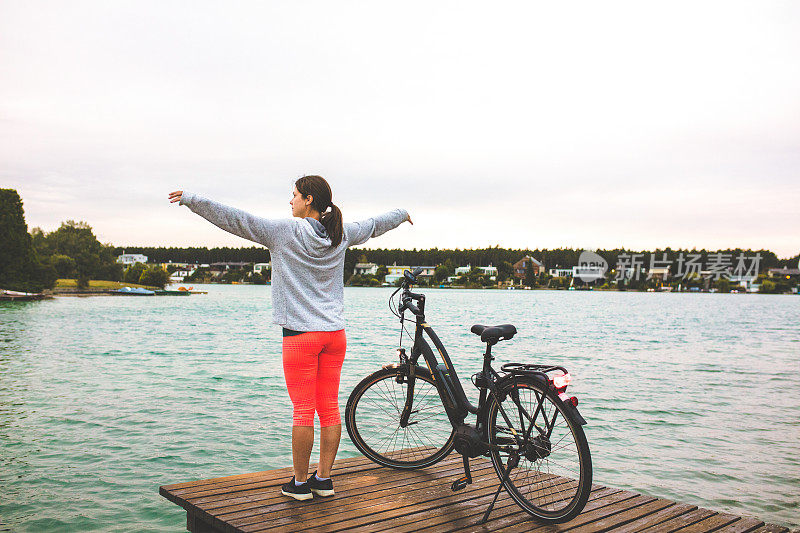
(512,462)
(462,482)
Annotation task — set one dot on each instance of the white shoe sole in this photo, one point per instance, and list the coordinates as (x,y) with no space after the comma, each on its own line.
(297,496)
(321,492)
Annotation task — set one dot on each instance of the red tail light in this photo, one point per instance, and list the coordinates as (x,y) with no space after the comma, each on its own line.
(572,400)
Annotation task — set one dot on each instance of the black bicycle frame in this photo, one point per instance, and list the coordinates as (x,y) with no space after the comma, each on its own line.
(449,387)
(451,392)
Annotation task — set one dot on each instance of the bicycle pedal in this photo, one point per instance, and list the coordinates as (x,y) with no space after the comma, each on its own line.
(459,484)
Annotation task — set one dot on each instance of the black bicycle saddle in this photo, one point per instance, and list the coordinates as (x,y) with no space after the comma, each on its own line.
(494,334)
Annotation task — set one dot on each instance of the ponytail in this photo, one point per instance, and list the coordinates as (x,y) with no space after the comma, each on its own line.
(320,191)
(332,220)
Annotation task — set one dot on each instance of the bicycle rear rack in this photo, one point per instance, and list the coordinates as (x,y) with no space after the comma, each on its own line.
(524,369)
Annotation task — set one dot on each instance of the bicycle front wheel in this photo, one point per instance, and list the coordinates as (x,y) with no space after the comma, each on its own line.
(373,414)
(550,472)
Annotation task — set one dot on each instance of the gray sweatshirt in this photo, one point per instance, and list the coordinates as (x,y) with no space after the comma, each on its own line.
(307,273)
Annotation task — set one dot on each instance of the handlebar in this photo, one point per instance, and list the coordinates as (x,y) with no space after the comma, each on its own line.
(408,298)
(411,307)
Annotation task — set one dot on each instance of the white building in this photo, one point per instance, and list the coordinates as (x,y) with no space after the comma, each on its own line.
(179,275)
(560,272)
(588,273)
(462,271)
(369,269)
(490,271)
(258,268)
(748,283)
(131,259)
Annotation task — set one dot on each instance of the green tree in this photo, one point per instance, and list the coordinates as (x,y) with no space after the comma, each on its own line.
(232,275)
(723,285)
(767,287)
(134,272)
(76,240)
(64,265)
(441,273)
(154,276)
(530,275)
(21,267)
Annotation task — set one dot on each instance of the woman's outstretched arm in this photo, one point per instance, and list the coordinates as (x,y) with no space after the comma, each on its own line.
(270,233)
(361,232)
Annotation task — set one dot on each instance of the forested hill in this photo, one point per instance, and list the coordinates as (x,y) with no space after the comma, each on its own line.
(560,257)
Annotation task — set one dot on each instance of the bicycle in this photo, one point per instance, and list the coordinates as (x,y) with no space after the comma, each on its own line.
(526,423)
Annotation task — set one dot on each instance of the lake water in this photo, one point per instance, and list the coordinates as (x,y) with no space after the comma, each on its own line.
(691,397)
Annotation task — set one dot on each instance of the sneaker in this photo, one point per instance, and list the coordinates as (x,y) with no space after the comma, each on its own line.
(298,492)
(320,488)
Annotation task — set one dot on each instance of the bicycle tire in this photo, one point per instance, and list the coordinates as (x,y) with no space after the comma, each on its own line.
(542,483)
(372,418)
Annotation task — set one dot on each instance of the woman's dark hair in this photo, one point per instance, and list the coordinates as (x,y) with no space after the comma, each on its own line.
(320,191)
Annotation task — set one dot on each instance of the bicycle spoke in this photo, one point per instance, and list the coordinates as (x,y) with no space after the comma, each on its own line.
(546,481)
(378,411)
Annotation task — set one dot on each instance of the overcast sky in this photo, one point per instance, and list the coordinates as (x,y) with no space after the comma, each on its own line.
(596,125)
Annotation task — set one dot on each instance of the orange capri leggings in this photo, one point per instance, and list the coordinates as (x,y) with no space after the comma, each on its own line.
(312,366)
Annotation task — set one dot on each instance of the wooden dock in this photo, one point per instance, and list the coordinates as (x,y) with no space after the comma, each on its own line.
(371,498)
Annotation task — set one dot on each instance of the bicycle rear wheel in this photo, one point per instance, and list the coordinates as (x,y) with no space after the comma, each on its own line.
(373,413)
(551,473)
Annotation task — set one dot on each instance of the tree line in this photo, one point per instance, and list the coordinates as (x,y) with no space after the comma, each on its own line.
(33,261)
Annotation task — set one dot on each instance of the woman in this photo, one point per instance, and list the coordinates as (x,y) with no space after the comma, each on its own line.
(307,254)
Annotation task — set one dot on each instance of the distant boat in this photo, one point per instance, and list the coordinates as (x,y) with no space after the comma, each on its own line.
(21,296)
(133,291)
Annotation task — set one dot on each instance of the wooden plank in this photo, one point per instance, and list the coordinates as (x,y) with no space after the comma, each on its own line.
(587,519)
(519,520)
(429,491)
(269,500)
(211,486)
(451,505)
(712,523)
(743,525)
(467,514)
(678,522)
(353,494)
(771,528)
(619,519)
(223,493)
(656,518)
(377,499)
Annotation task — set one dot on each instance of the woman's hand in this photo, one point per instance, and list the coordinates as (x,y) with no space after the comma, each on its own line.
(409,220)
(175,196)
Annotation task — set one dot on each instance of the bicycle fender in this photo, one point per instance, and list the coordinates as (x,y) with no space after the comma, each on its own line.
(572,409)
(545,384)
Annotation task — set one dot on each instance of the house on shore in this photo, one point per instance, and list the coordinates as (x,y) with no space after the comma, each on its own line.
(230,265)
(395,272)
(259,268)
(521,267)
(131,259)
(788,273)
(365,269)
